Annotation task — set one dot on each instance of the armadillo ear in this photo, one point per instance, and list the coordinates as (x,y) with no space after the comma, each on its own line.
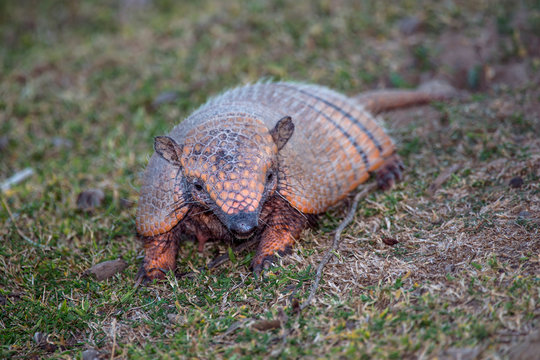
(282,132)
(168,149)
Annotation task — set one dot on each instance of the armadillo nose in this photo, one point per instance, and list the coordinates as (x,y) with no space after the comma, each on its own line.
(243,224)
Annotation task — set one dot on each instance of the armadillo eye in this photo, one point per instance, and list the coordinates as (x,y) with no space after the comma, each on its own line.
(198,187)
(269,177)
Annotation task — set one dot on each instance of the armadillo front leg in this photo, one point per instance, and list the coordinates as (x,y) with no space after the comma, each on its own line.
(160,256)
(284,226)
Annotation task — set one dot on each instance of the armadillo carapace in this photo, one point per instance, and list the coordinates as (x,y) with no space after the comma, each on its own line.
(258,160)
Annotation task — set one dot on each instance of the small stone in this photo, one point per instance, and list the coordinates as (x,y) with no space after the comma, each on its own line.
(165,97)
(265,325)
(39,337)
(60,142)
(106,269)
(90,199)
(389,241)
(524,214)
(516,182)
(90,354)
(42,342)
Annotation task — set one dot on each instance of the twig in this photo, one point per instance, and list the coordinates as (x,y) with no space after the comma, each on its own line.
(235,326)
(335,244)
(283,342)
(17,178)
(21,234)
(113,329)
(441,179)
(224,301)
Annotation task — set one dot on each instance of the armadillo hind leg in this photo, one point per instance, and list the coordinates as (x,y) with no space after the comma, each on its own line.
(284,227)
(390,172)
(160,256)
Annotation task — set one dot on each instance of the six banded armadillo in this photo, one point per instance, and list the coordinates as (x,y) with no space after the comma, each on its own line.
(259,160)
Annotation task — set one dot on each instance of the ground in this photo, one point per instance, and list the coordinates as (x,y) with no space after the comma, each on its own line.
(444,265)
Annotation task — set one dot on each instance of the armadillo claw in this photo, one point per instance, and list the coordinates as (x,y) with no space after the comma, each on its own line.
(141,278)
(390,173)
(145,277)
(262,263)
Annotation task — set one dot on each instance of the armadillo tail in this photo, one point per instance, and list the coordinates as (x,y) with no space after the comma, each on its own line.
(384,100)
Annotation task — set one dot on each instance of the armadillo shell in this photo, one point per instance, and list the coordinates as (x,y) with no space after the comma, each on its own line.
(334,147)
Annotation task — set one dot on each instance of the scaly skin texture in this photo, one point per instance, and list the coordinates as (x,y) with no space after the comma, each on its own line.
(261,160)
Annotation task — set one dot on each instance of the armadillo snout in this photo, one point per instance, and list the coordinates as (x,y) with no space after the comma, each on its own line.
(243,224)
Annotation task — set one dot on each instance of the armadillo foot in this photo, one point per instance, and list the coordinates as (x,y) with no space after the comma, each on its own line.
(273,241)
(262,264)
(390,172)
(144,276)
(160,257)
(284,225)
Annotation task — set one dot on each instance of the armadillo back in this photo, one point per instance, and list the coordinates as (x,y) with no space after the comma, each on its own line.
(335,145)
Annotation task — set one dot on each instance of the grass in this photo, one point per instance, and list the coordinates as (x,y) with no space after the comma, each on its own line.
(77,104)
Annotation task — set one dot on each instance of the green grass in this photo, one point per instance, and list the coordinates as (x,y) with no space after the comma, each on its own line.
(77,84)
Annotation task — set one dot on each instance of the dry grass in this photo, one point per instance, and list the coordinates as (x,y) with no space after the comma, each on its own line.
(77,104)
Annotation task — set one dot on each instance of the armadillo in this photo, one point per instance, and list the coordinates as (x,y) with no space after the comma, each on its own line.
(261,161)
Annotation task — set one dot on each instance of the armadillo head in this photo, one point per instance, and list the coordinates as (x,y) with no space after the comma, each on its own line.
(230,167)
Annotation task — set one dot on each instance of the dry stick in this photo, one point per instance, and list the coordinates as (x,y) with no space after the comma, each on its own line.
(335,244)
(113,329)
(17,178)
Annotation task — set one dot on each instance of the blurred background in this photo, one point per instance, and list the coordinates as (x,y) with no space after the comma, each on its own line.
(86,85)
